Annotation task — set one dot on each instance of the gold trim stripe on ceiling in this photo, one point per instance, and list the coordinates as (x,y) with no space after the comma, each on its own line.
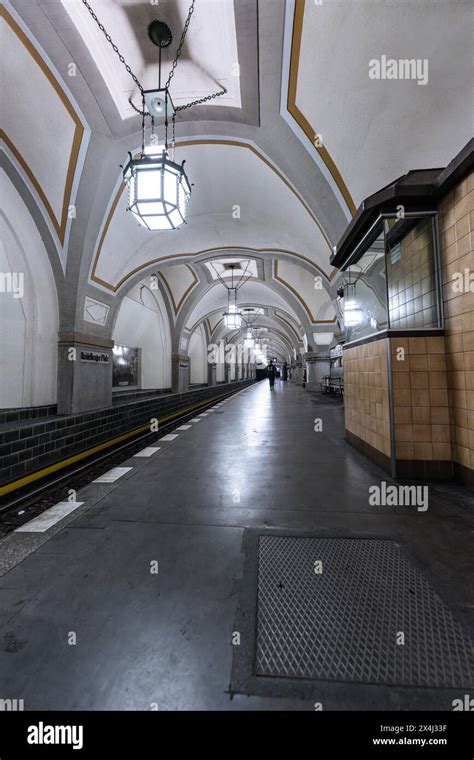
(233,143)
(176,306)
(301,299)
(278,316)
(172,256)
(295,112)
(59,225)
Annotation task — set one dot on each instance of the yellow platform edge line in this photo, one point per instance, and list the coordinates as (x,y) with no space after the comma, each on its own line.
(100,447)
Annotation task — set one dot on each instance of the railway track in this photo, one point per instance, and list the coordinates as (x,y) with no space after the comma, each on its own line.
(30,501)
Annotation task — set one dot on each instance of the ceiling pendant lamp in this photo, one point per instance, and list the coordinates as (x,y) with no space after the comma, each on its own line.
(249,341)
(158,187)
(232,317)
(158,191)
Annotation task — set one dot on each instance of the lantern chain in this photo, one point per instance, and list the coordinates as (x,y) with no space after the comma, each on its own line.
(173,142)
(143,111)
(114,46)
(143,123)
(180,46)
(202,100)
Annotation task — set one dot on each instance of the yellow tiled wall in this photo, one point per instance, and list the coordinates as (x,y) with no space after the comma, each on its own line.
(366,394)
(433,385)
(420,395)
(411,280)
(456,225)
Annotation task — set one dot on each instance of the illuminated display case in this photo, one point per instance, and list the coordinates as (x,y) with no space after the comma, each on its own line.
(392,280)
(126,363)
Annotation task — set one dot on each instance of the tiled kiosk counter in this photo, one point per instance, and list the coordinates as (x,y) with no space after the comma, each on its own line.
(409,393)
(397,405)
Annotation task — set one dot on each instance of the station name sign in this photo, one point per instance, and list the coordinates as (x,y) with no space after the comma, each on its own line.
(95,357)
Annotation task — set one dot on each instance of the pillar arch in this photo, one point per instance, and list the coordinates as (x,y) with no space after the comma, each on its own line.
(29,318)
(141,322)
(197,352)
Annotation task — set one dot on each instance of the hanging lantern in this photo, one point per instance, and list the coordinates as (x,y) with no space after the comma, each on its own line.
(232,320)
(232,317)
(159,191)
(249,341)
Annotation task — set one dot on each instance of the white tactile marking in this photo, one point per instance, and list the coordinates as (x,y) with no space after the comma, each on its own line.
(184,427)
(196,419)
(204,414)
(148,452)
(49,518)
(169,437)
(112,475)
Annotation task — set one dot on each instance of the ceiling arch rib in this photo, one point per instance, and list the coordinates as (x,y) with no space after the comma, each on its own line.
(215,299)
(261,329)
(179,281)
(310,292)
(258,209)
(41,105)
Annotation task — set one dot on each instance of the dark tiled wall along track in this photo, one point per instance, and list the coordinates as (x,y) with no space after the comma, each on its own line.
(31,442)
(27,413)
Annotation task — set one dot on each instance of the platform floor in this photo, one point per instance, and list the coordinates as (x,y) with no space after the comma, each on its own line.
(147,640)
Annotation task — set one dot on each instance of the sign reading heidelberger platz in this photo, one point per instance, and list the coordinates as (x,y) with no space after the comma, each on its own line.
(95,357)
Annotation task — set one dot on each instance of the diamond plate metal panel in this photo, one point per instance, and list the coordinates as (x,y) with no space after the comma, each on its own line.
(343,623)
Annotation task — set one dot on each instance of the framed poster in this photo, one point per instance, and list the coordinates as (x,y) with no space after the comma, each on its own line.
(125,367)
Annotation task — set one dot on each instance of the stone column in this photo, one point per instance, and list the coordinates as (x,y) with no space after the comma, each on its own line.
(84,372)
(180,373)
(317,366)
(298,375)
(211,374)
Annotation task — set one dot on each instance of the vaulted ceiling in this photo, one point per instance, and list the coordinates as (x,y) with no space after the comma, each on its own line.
(279,163)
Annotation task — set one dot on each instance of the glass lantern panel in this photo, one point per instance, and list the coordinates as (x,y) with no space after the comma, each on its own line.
(157,222)
(175,218)
(232,321)
(153,208)
(148,184)
(170,190)
(138,218)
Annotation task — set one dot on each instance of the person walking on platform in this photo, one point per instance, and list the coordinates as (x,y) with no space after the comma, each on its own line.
(271,372)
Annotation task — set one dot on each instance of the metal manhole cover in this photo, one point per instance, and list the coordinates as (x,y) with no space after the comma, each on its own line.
(345,619)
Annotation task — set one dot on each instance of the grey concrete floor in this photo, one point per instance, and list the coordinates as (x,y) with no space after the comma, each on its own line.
(163,641)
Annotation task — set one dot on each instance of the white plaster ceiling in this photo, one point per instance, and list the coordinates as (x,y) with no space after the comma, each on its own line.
(237,200)
(37,118)
(179,281)
(252,292)
(242,268)
(142,294)
(308,289)
(376,130)
(214,320)
(208,62)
